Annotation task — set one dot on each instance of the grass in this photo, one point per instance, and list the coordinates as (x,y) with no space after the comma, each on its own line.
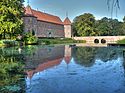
(59,41)
(121,41)
(47,41)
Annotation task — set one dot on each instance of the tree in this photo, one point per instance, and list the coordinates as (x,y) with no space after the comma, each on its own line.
(123,25)
(11,12)
(83,25)
(102,27)
(109,27)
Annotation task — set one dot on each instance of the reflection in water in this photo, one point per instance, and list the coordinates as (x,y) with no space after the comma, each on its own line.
(65,69)
(11,71)
(85,56)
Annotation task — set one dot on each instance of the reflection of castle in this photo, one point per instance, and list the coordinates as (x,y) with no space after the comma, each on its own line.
(48,58)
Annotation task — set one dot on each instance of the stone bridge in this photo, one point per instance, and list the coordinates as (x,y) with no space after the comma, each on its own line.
(100,39)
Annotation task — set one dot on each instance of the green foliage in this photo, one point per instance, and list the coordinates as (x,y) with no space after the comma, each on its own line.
(14,88)
(11,23)
(29,38)
(109,27)
(8,43)
(83,25)
(11,69)
(86,25)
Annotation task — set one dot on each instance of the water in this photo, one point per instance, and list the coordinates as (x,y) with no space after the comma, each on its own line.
(62,69)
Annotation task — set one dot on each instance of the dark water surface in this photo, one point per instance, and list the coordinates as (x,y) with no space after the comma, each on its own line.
(62,69)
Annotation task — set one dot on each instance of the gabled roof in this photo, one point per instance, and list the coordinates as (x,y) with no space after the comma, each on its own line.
(43,16)
(67,21)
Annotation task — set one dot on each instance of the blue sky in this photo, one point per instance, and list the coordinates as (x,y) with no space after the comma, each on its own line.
(77,7)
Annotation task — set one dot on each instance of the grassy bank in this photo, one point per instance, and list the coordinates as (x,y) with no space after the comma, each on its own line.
(59,41)
(121,41)
(47,41)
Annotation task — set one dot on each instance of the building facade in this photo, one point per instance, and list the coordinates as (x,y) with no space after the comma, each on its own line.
(46,25)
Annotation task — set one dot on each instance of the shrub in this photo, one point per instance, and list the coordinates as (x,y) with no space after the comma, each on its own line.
(29,38)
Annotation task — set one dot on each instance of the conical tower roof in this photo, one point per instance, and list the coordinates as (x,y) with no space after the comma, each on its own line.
(67,21)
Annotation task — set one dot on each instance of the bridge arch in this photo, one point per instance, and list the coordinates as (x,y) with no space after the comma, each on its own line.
(103,41)
(96,41)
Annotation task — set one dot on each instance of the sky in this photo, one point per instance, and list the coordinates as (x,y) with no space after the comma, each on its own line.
(75,8)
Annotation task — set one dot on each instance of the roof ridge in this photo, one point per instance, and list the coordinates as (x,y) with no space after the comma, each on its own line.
(44,13)
(44,16)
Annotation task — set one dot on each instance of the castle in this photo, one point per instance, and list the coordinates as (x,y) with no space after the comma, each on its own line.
(46,25)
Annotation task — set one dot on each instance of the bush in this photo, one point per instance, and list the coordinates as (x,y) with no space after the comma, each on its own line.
(29,38)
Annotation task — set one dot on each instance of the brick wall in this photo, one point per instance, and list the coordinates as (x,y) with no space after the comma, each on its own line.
(43,29)
(30,24)
(46,29)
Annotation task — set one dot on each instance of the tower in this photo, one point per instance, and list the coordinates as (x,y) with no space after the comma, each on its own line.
(67,28)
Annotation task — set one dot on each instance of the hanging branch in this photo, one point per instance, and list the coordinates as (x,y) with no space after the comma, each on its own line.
(113,4)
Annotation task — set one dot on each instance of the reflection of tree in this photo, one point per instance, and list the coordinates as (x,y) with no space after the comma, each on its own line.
(85,56)
(11,69)
(107,54)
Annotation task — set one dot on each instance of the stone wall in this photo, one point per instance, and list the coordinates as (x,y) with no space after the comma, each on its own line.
(30,24)
(46,29)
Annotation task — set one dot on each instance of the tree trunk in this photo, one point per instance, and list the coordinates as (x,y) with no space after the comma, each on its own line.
(4,36)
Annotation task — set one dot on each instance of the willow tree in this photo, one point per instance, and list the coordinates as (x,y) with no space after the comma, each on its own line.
(113,4)
(11,23)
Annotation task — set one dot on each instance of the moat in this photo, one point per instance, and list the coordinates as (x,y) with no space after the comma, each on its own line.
(62,69)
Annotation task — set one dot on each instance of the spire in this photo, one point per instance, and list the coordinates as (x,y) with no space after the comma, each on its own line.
(67,21)
(66,14)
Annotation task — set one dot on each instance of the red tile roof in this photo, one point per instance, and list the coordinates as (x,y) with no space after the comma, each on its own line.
(67,21)
(43,16)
